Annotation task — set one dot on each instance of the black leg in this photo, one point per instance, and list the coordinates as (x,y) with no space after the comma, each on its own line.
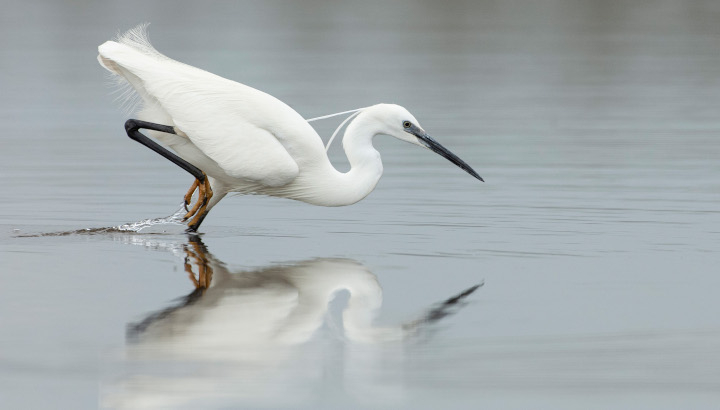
(132,128)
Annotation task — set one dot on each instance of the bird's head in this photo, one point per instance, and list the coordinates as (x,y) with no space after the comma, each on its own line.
(397,122)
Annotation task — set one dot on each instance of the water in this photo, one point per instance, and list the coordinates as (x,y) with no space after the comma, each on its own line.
(595,235)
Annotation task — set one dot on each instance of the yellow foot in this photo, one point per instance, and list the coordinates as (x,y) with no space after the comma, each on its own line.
(199,210)
(195,252)
(190,192)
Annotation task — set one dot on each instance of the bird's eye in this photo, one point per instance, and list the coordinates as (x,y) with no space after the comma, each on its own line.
(406,124)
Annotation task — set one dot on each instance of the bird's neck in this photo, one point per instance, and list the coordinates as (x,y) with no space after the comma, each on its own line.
(338,188)
(365,164)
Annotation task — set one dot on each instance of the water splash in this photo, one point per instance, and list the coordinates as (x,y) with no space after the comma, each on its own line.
(175,219)
(132,227)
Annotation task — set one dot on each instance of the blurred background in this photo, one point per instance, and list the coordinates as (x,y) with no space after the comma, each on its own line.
(596,234)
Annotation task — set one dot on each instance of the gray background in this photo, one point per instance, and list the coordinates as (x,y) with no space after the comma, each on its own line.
(596,234)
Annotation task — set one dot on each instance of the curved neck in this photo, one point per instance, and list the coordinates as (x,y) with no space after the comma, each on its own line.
(337,188)
(365,163)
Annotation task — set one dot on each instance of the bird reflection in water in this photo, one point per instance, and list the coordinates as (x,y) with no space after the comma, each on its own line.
(257,336)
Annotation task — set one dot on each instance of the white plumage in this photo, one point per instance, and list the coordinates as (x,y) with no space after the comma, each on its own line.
(248,141)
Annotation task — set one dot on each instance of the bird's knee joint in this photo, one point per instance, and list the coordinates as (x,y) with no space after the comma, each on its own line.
(131,126)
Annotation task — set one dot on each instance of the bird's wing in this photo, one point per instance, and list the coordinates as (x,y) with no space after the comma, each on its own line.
(221,124)
(226,120)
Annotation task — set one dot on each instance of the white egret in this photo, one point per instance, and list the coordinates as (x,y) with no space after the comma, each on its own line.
(234,138)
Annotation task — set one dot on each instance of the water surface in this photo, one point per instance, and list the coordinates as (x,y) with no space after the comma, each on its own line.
(596,233)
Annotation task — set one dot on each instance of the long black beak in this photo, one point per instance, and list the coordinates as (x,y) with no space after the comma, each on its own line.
(435,146)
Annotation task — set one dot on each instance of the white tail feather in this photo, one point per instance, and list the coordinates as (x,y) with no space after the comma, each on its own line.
(128,90)
(138,38)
